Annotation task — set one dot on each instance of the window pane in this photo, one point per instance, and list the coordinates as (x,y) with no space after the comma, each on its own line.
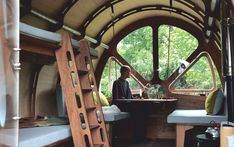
(106,85)
(136,48)
(198,77)
(174,44)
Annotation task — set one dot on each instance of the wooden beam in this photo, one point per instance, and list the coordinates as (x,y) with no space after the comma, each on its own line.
(44,42)
(37,46)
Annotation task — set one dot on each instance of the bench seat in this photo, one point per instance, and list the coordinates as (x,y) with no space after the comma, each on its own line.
(194,117)
(187,119)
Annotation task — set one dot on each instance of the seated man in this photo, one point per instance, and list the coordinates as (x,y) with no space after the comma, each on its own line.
(120,89)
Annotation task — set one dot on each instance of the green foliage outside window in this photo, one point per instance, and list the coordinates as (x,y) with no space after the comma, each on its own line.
(179,44)
(194,78)
(137,49)
(106,85)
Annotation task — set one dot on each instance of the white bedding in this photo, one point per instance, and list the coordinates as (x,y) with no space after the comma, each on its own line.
(41,136)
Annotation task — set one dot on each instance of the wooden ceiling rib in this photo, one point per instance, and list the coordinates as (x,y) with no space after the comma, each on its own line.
(62,13)
(100,9)
(50,8)
(94,17)
(25,7)
(197,12)
(144,8)
(81,10)
(35,21)
(142,15)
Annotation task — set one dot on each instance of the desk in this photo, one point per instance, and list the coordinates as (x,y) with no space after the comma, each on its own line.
(143,111)
(187,119)
(143,106)
(146,100)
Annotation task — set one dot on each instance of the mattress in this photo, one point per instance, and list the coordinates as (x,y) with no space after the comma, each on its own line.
(42,136)
(194,117)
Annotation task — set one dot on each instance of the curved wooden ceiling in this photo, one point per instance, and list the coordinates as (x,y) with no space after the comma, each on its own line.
(94,19)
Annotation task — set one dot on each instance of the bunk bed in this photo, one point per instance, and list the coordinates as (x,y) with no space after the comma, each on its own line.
(44,136)
(38,41)
(49,40)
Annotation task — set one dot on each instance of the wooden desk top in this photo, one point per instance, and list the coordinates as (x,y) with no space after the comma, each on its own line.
(146,100)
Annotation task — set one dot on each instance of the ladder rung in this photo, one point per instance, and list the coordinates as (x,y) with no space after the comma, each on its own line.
(87,89)
(94,126)
(90,108)
(82,72)
(98,145)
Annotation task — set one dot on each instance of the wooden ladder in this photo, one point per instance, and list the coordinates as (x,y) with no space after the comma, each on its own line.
(81,95)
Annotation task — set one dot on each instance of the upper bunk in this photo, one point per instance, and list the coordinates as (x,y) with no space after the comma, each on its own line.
(42,42)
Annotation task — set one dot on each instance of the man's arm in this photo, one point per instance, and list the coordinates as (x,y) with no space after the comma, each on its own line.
(129,93)
(114,91)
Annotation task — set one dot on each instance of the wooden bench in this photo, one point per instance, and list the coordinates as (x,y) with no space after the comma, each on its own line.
(187,119)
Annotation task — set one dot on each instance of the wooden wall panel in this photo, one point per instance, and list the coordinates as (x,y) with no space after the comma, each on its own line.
(45,91)
(158,128)
(25,89)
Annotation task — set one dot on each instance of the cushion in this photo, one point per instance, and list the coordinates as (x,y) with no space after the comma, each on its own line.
(219,103)
(103,99)
(210,101)
(214,103)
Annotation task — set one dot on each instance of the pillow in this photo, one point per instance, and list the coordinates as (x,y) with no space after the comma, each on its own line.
(103,100)
(219,103)
(210,101)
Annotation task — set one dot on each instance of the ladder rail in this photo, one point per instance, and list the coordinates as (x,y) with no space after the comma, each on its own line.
(81,95)
(84,54)
(66,72)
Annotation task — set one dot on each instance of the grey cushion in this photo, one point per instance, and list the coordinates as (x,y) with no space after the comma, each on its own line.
(194,117)
(219,104)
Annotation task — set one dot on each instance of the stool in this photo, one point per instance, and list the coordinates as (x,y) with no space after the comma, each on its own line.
(203,141)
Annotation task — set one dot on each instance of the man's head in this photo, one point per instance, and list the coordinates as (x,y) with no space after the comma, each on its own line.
(125,71)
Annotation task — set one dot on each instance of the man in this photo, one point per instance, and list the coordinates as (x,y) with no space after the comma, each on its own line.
(120,89)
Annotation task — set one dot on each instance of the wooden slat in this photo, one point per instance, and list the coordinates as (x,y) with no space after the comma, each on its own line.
(35,45)
(180,134)
(87,122)
(89,88)
(77,127)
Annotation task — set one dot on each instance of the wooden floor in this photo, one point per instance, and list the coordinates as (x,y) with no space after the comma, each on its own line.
(157,143)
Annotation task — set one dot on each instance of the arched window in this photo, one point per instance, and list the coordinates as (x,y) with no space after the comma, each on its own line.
(198,78)
(174,44)
(137,48)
